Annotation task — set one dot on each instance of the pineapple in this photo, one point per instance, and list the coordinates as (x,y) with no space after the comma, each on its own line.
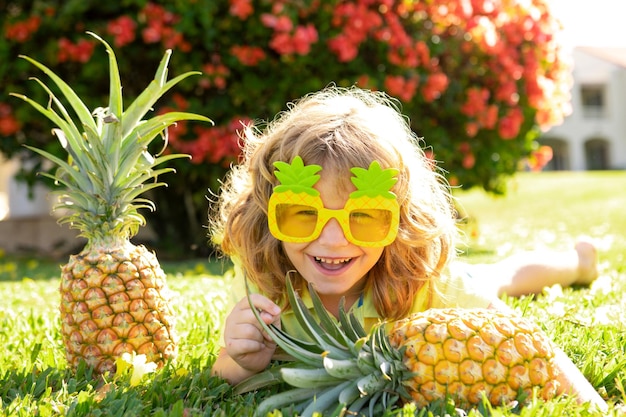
(114,297)
(467,355)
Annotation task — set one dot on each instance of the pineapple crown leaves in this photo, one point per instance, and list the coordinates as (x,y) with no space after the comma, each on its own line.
(343,368)
(297,177)
(108,163)
(374,181)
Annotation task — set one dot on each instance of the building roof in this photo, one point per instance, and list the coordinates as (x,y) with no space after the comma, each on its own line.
(613,55)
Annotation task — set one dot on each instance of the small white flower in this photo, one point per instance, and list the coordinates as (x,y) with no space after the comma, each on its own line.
(553,293)
(608,315)
(557,309)
(601,286)
(138,365)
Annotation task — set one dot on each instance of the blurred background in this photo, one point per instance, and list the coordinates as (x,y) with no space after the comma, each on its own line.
(493,87)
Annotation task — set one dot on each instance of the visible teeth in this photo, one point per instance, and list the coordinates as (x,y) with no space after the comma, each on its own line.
(332,261)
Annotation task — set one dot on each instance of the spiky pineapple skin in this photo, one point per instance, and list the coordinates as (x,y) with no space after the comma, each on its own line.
(470,354)
(115,300)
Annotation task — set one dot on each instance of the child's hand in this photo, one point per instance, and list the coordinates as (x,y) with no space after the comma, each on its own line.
(246,342)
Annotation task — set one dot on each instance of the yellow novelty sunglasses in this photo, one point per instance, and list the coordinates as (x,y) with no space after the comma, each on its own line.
(297,214)
(365,221)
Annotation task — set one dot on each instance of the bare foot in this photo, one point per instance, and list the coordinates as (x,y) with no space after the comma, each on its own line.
(587,262)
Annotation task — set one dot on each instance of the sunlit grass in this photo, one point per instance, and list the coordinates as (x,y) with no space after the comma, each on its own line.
(551,210)
(546,210)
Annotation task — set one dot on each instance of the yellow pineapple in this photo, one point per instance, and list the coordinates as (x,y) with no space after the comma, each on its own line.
(466,355)
(114,297)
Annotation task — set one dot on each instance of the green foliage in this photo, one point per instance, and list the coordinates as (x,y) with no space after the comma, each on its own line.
(476,87)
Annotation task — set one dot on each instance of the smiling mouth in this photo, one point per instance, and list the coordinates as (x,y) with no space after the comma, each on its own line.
(332,263)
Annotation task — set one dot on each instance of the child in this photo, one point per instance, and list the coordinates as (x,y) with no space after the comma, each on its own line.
(386,264)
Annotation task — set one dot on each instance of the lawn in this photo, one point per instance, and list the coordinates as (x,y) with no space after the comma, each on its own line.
(547,210)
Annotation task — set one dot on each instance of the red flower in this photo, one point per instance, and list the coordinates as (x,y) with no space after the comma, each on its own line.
(214,145)
(22,31)
(510,124)
(241,8)
(217,73)
(465,147)
(123,29)
(539,159)
(8,123)
(303,37)
(507,93)
(435,85)
(152,34)
(160,28)
(173,39)
(76,52)
(281,43)
(300,42)
(403,57)
(180,101)
(345,49)
(400,87)
(248,55)
(476,101)
(471,129)
(469,160)
(357,22)
(157,13)
(489,117)
(364,81)
(280,23)
(423,53)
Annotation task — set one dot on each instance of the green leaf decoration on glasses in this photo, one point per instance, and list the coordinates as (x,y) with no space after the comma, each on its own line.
(297,177)
(374,181)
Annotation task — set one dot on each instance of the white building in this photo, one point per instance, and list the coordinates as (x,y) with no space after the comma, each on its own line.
(594,135)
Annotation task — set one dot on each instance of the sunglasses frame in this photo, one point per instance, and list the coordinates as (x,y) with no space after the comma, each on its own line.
(341,215)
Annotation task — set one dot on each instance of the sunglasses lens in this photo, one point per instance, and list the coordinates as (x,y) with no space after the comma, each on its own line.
(370,225)
(296,220)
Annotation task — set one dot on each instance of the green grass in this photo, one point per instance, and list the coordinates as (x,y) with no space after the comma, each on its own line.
(550,210)
(545,210)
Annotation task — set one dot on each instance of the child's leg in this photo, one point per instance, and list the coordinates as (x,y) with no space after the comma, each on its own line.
(529,272)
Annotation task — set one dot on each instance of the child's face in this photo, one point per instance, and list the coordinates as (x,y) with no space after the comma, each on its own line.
(331,263)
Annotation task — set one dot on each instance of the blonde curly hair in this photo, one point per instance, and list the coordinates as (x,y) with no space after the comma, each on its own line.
(339,128)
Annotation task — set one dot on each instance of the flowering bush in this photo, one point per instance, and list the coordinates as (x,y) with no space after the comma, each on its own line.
(478,78)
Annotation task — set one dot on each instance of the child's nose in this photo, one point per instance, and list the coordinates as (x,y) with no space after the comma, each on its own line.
(332,234)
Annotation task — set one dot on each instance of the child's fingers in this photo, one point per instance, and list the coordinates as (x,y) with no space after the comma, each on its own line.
(269,319)
(268,311)
(263,304)
(242,323)
(246,346)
